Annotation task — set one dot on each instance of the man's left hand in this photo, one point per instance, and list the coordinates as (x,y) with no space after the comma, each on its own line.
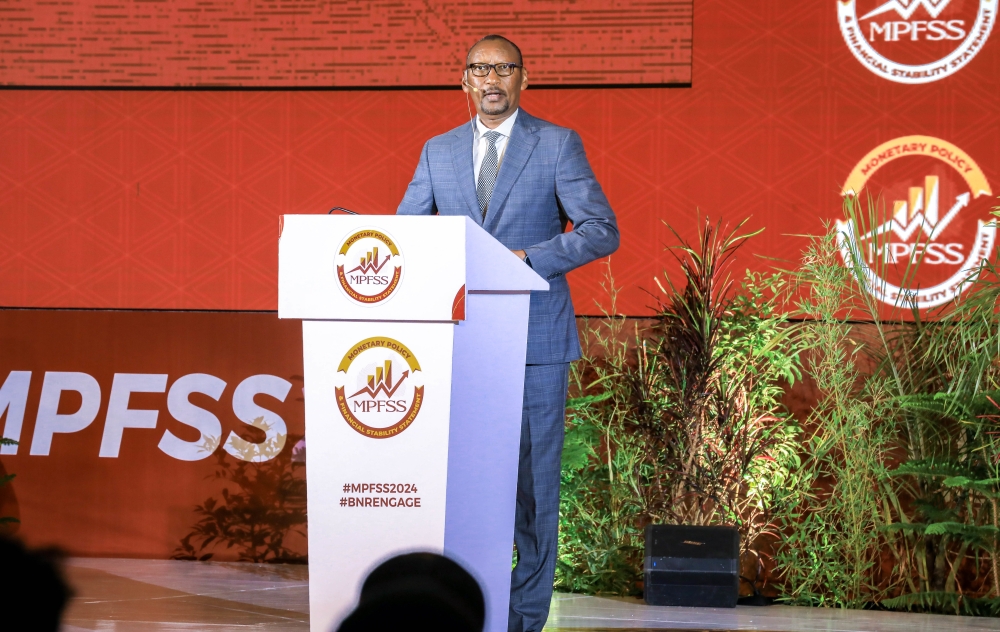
(520,254)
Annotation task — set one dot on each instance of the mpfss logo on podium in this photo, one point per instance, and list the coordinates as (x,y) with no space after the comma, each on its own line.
(380,387)
(915,41)
(933,227)
(369,266)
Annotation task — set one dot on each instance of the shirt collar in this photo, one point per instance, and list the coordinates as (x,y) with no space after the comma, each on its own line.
(505,128)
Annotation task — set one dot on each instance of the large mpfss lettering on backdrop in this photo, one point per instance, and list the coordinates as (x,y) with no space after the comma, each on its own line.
(125,419)
(57,385)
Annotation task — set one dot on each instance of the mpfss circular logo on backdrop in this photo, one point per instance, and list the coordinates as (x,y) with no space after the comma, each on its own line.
(933,227)
(916,41)
(369,266)
(380,387)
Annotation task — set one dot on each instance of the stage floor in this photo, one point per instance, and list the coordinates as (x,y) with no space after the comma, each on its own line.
(158,596)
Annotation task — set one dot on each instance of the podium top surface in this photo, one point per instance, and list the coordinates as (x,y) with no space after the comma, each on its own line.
(391,267)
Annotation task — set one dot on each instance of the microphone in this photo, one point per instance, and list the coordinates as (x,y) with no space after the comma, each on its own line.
(472,120)
(341,209)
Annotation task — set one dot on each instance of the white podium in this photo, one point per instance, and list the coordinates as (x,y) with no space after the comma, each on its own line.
(413,335)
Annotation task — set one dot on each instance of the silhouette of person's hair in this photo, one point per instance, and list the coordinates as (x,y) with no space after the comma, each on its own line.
(418,590)
(32,585)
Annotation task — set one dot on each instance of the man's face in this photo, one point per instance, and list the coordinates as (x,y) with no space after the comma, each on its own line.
(498,97)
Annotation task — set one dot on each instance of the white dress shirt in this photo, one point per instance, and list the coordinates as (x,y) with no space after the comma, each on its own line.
(480,144)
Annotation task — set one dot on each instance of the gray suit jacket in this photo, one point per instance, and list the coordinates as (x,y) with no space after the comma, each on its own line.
(544,181)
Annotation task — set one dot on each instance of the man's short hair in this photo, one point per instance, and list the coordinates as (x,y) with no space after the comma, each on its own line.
(493,38)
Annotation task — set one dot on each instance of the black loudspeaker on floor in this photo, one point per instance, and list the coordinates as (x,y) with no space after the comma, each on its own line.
(692,566)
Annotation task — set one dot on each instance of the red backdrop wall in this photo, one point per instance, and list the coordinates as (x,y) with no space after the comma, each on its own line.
(170,199)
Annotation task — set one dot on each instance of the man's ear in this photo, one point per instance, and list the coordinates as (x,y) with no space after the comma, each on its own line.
(465,83)
(524,78)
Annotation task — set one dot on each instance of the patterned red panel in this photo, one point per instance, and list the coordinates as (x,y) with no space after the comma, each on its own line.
(171,199)
(335,43)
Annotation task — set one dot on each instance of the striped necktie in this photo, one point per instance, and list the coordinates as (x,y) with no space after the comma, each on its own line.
(488,173)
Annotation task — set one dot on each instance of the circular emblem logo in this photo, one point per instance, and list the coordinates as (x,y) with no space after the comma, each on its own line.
(379,387)
(369,266)
(933,228)
(916,41)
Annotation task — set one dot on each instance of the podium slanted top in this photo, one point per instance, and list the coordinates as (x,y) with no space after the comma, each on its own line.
(391,267)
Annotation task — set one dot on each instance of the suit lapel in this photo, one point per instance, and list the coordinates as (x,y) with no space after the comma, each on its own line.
(522,142)
(461,156)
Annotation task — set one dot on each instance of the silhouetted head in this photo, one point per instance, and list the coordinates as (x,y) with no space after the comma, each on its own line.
(418,590)
(31,587)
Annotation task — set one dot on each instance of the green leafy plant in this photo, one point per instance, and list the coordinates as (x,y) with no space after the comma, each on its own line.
(679,421)
(5,480)
(951,527)
(897,496)
(266,504)
(945,487)
(832,538)
(716,445)
(888,494)
(600,517)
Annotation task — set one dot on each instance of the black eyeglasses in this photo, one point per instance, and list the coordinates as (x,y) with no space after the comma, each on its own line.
(503,70)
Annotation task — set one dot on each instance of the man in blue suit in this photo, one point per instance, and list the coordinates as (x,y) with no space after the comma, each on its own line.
(523,179)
